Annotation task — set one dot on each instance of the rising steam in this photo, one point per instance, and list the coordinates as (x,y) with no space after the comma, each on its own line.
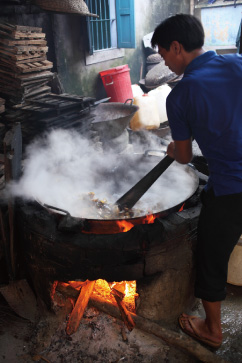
(61,168)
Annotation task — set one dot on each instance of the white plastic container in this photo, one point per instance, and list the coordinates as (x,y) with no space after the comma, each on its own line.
(147,117)
(235,265)
(160,93)
(137,91)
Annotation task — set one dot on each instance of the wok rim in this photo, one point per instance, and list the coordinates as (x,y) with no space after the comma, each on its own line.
(134,109)
(158,214)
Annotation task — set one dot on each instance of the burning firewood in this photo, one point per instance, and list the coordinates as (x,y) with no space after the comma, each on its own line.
(67,290)
(80,306)
(80,293)
(123,310)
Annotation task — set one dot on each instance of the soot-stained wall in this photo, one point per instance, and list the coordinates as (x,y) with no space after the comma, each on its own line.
(66,35)
(70,42)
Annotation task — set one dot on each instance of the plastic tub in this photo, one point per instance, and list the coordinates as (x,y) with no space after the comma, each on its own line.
(117,83)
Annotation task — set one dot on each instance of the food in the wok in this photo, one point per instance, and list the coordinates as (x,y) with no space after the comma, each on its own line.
(106,210)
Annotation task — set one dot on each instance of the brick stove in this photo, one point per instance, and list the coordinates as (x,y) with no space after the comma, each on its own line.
(158,256)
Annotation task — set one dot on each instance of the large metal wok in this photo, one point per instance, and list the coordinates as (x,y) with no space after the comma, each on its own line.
(126,164)
(113,118)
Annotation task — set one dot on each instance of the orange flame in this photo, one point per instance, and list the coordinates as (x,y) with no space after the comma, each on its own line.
(181,209)
(102,289)
(128,288)
(149,219)
(124,226)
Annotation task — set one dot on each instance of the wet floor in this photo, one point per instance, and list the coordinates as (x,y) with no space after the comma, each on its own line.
(231,349)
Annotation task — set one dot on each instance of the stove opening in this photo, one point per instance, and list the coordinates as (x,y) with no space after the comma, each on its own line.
(77,293)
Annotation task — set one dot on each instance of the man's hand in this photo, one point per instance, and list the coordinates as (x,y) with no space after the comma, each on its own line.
(181,151)
(171,149)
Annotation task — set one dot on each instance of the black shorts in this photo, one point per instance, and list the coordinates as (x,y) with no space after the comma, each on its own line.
(219,229)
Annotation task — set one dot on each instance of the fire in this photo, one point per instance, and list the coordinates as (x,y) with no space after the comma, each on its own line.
(149,219)
(128,288)
(102,289)
(181,209)
(125,226)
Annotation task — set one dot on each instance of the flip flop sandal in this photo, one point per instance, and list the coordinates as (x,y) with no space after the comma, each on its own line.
(195,334)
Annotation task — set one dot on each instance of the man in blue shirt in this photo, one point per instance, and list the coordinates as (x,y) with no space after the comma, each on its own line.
(207,105)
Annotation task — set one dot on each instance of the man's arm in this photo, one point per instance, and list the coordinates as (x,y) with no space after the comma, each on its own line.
(181,151)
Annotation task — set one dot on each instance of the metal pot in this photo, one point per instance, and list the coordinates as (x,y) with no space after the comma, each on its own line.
(112,118)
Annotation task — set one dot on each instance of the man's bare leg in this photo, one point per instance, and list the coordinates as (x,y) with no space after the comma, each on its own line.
(210,327)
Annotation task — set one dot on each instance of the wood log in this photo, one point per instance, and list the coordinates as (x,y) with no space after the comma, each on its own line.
(128,321)
(68,290)
(172,338)
(118,293)
(80,306)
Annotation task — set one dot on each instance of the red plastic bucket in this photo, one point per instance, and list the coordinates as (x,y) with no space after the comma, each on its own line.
(117,83)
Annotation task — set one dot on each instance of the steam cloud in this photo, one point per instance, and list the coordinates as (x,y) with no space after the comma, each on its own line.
(62,168)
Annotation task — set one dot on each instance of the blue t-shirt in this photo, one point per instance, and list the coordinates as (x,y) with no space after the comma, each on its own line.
(207,104)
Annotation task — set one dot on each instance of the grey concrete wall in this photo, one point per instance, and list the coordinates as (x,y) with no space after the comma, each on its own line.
(67,40)
(70,41)
(149,14)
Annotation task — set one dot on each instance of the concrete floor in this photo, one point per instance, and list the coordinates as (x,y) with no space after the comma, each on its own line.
(231,316)
(231,349)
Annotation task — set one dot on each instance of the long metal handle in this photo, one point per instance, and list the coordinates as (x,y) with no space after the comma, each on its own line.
(129,199)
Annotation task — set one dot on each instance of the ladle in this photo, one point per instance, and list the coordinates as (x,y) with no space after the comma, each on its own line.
(131,197)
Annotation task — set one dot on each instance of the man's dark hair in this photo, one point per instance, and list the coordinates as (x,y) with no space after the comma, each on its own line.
(184,28)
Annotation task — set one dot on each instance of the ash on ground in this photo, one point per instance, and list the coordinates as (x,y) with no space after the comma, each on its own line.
(101,338)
